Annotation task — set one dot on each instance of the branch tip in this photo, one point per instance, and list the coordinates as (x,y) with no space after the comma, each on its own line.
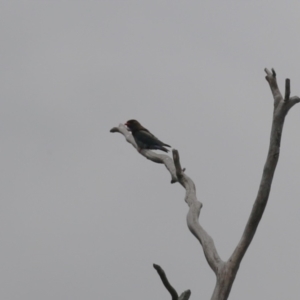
(165,281)
(287,89)
(185,295)
(114,129)
(270,75)
(176,159)
(280,112)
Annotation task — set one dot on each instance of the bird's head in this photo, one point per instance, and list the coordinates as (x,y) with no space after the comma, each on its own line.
(133,125)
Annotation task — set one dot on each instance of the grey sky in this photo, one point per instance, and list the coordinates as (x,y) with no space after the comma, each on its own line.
(83,216)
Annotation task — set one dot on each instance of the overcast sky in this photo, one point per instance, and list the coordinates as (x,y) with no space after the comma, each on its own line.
(83,215)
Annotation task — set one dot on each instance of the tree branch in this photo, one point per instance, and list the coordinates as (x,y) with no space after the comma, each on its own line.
(195,206)
(185,295)
(271,78)
(281,108)
(166,282)
(287,90)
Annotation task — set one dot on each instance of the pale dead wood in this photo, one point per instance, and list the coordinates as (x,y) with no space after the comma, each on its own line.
(195,206)
(281,108)
(226,271)
(177,173)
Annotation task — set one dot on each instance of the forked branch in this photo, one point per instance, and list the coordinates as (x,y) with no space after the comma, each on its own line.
(281,108)
(184,296)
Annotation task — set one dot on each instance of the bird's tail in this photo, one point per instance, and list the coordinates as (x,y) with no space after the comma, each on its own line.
(163,148)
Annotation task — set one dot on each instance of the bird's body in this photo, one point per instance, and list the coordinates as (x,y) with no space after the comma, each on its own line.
(144,138)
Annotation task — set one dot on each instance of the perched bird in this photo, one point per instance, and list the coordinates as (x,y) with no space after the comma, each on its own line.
(144,138)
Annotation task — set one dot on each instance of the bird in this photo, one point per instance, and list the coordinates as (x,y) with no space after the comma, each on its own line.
(144,138)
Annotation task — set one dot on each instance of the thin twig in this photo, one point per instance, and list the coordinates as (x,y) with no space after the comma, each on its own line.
(165,281)
(287,90)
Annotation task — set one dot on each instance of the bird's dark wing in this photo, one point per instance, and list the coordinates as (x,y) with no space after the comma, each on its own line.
(147,140)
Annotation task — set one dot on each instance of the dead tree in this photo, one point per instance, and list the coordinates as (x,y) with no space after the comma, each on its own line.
(225,271)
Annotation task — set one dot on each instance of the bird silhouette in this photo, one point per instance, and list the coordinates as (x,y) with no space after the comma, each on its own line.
(144,138)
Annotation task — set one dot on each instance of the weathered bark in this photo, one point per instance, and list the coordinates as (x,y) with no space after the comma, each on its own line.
(226,271)
(194,226)
(226,276)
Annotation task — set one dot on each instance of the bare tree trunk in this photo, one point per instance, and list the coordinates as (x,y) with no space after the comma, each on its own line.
(226,271)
